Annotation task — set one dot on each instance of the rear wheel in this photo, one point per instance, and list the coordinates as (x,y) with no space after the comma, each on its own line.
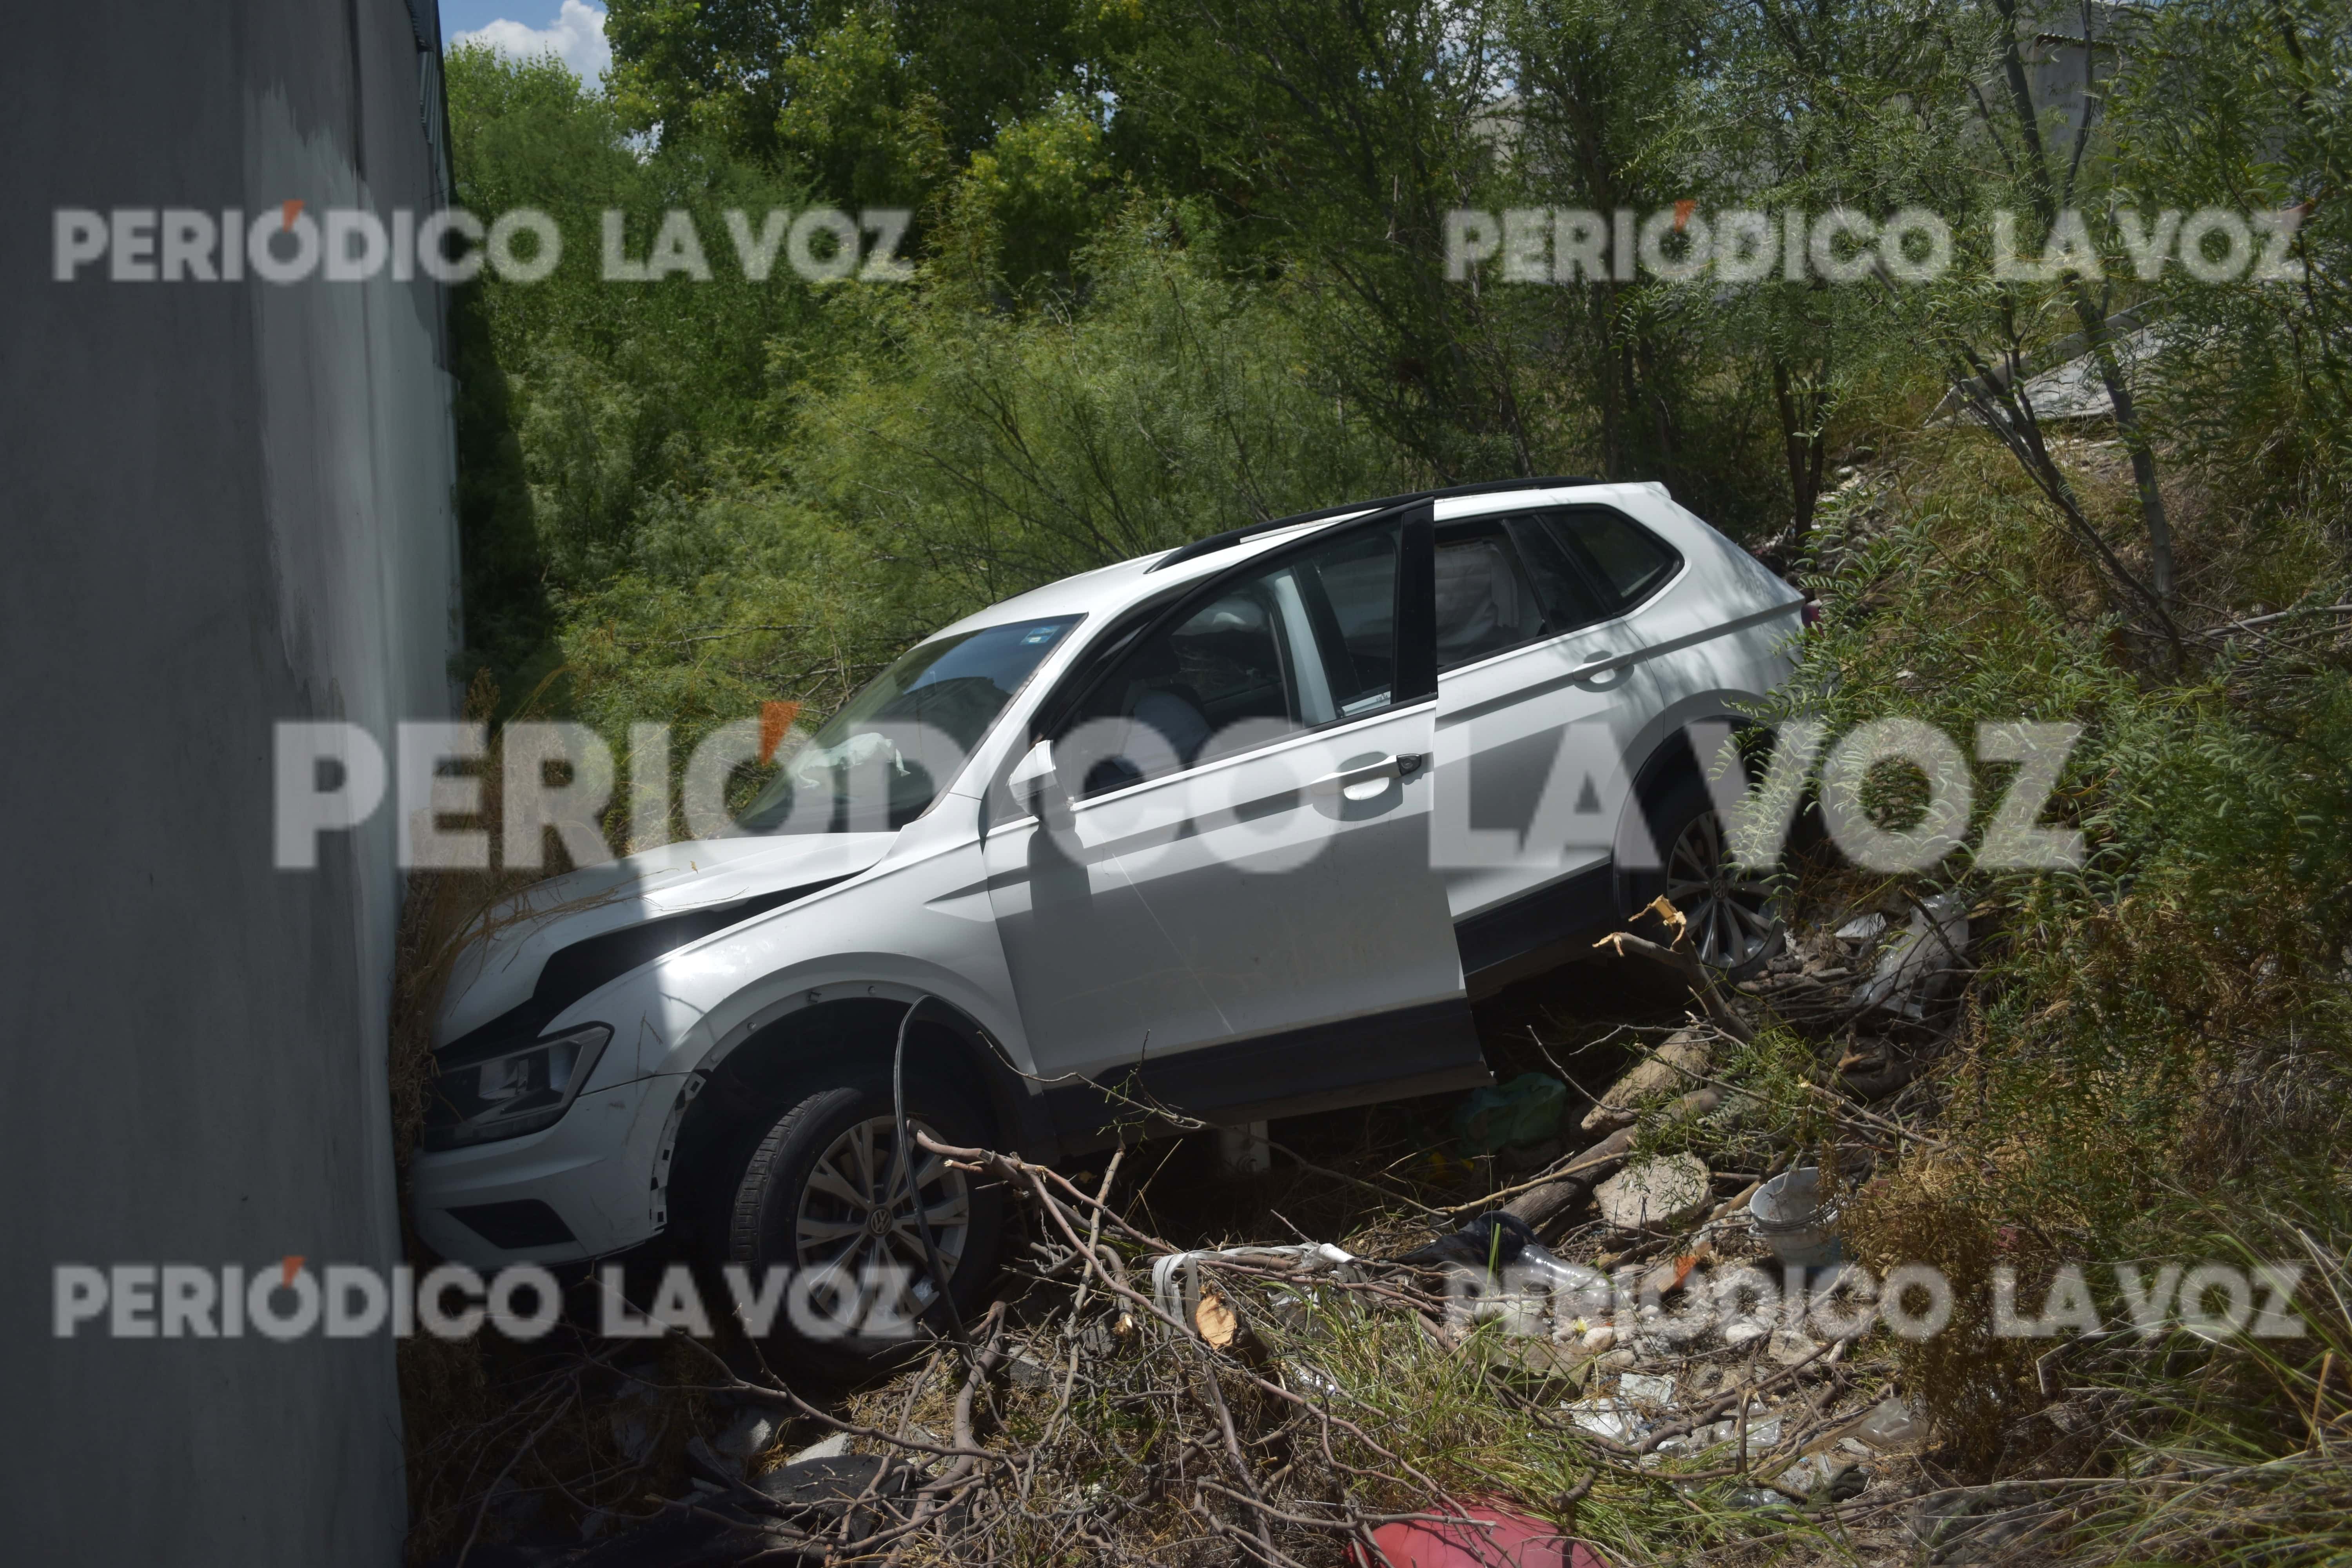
(1731,914)
(829,1195)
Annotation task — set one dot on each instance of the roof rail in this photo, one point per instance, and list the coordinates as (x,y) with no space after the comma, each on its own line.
(1232,536)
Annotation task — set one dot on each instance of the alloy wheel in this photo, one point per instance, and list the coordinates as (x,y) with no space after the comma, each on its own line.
(858,1210)
(1733,917)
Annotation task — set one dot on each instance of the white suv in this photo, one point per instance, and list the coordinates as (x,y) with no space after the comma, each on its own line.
(1235,830)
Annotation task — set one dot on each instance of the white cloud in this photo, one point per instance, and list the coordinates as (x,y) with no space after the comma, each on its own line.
(576,36)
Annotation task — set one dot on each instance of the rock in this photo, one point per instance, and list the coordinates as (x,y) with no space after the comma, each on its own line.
(830,1487)
(639,1421)
(1616,1360)
(1824,1479)
(1027,1371)
(1546,1200)
(1653,1077)
(1968,1525)
(1544,1357)
(634,1437)
(1789,1347)
(747,1437)
(1101,1337)
(1656,1195)
(1598,1340)
(832,1447)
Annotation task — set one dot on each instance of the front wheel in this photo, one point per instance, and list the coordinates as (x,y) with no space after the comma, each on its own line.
(1733,916)
(829,1196)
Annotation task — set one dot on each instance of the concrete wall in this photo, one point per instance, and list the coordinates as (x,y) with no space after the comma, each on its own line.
(221,505)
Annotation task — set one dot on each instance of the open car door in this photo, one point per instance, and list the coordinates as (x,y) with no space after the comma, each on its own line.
(1236,828)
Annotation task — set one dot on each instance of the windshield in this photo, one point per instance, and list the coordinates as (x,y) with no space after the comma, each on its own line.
(879,763)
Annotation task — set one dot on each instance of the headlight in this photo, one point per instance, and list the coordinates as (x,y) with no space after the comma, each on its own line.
(512,1091)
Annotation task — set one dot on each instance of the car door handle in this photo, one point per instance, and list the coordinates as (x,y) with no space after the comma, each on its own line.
(1392,767)
(1597,665)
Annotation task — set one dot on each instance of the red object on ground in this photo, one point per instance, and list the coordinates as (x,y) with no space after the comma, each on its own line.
(1488,1537)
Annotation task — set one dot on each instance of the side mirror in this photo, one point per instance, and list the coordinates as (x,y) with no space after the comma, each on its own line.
(1033,777)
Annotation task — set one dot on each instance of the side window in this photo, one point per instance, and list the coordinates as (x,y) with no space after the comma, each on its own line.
(1304,641)
(1349,589)
(1485,603)
(1565,588)
(1628,560)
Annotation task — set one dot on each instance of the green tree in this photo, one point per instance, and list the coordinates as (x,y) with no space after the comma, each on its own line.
(592,409)
(873,102)
(985,452)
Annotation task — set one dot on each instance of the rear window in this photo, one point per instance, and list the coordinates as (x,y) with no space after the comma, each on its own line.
(1570,594)
(1628,562)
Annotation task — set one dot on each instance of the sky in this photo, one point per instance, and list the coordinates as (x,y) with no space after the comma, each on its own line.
(572,29)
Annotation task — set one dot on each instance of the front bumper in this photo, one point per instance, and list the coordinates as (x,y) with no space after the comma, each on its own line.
(594,1169)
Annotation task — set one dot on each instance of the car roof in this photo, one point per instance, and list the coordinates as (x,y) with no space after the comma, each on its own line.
(1106,590)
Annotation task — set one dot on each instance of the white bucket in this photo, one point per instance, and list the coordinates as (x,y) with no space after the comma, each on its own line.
(1788,1215)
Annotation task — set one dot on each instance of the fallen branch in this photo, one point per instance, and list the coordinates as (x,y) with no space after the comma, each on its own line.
(1682,962)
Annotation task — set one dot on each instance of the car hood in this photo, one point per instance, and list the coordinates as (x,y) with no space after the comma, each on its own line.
(500,965)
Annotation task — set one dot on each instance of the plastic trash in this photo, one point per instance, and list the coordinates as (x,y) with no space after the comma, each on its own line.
(1489,1241)
(1303,1376)
(1525,1111)
(1763,1434)
(1893,1423)
(1646,1389)
(1825,1478)
(1498,1257)
(1606,1418)
(1176,1278)
(1627,1415)
(1575,1290)
(1864,929)
(1489,1536)
(1789,1219)
(1922,961)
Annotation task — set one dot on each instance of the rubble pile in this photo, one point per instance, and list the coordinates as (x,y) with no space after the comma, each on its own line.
(1638,1319)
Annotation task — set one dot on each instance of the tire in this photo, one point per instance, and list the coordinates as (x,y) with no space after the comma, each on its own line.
(1734,918)
(807,1200)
